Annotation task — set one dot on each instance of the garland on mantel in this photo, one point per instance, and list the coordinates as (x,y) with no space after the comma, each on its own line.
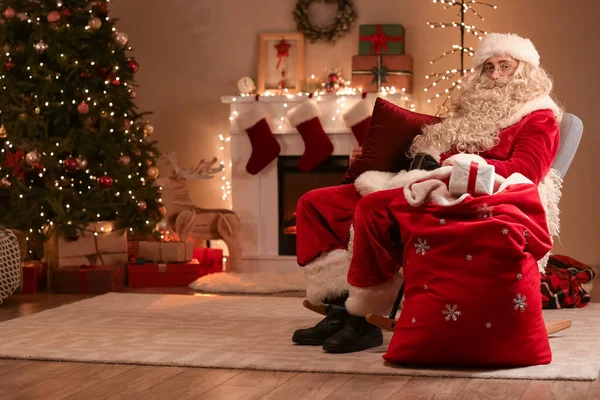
(340,26)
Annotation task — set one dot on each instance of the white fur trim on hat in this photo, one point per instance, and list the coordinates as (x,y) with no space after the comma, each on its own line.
(304,112)
(250,115)
(499,44)
(358,113)
(327,276)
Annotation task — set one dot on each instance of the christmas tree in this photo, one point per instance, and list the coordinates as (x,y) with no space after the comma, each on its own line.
(445,82)
(75,148)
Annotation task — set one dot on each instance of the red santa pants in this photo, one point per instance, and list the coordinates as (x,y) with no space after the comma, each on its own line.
(323,219)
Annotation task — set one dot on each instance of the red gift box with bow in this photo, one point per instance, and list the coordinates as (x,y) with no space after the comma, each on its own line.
(96,279)
(35,276)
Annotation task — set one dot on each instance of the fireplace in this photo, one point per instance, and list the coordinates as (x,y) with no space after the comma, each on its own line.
(292,184)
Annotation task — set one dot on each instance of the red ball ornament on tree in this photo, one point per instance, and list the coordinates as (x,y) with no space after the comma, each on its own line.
(66,12)
(85,74)
(105,181)
(83,108)
(70,164)
(10,13)
(114,79)
(53,16)
(133,66)
(10,65)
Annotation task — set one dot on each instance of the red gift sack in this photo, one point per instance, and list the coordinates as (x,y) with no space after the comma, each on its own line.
(472,294)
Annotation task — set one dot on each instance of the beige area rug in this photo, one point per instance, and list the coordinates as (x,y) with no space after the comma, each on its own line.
(245,333)
(251,282)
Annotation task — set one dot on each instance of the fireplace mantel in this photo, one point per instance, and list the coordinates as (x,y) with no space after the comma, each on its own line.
(254,197)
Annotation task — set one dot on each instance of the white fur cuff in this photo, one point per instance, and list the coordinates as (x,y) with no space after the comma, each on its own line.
(304,112)
(327,276)
(377,299)
(249,116)
(358,113)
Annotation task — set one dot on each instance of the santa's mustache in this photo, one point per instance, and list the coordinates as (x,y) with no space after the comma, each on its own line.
(489,83)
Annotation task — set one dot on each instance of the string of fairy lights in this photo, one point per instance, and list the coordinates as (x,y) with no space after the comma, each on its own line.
(444,83)
(340,96)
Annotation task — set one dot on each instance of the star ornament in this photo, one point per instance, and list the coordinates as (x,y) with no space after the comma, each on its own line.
(283,48)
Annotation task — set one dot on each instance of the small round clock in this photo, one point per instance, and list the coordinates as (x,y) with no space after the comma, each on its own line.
(246,85)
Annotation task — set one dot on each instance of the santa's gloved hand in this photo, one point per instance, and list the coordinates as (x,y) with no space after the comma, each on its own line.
(425,162)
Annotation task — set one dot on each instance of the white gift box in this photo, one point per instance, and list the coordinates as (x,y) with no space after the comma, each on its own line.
(108,246)
(471,177)
(166,251)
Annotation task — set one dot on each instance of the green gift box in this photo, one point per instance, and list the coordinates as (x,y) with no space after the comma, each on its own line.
(381,39)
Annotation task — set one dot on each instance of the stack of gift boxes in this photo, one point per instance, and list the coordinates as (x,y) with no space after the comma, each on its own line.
(105,260)
(381,62)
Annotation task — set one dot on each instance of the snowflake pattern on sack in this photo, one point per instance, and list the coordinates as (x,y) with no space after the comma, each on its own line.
(469,257)
(488,325)
(526,234)
(422,246)
(520,302)
(519,276)
(484,211)
(451,312)
(505,231)
(442,221)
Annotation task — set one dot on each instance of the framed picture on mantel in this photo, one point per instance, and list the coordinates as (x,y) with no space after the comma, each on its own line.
(280,62)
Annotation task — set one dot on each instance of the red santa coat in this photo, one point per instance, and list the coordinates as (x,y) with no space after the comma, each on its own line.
(472,294)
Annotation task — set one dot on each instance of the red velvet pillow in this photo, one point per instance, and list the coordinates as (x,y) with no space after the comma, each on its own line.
(473,301)
(389,137)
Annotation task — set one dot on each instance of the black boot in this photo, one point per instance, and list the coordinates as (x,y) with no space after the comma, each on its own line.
(356,335)
(334,321)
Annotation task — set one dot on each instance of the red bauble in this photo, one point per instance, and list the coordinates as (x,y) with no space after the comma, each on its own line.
(333,78)
(66,12)
(114,80)
(85,74)
(83,108)
(10,65)
(133,66)
(103,72)
(10,13)
(53,16)
(70,164)
(105,181)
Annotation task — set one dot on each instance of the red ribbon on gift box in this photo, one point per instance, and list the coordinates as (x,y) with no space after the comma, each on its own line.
(472,177)
(380,40)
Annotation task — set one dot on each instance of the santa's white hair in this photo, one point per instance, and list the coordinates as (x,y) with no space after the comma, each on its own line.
(482,108)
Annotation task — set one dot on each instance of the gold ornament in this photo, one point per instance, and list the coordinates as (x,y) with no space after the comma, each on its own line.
(141,205)
(37,110)
(33,157)
(3,132)
(152,172)
(22,116)
(82,163)
(148,129)
(95,23)
(5,183)
(121,39)
(124,160)
(40,46)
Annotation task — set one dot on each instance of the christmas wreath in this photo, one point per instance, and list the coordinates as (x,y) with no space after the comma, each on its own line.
(346,15)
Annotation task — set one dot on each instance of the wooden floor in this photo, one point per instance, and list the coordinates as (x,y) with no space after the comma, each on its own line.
(20,379)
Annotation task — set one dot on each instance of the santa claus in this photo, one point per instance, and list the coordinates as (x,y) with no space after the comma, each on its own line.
(502,113)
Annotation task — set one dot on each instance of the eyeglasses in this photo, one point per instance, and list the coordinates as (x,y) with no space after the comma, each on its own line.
(504,68)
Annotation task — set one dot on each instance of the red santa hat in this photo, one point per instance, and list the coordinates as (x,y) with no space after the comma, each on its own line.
(510,44)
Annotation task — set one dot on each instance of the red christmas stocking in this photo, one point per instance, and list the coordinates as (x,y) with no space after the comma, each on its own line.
(317,146)
(358,118)
(265,147)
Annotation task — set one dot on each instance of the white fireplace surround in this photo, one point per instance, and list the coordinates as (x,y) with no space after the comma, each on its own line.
(255,197)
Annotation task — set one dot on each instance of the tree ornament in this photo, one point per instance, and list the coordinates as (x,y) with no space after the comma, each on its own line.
(10,13)
(345,17)
(9,65)
(162,210)
(114,79)
(67,13)
(70,164)
(83,108)
(163,225)
(137,152)
(3,132)
(149,163)
(133,94)
(133,66)
(125,160)
(37,110)
(40,46)
(121,39)
(103,73)
(53,16)
(95,23)
(105,181)
(85,74)
(148,129)
(141,205)
(33,157)
(82,163)
(71,233)
(5,183)
(153,172)
(22,116)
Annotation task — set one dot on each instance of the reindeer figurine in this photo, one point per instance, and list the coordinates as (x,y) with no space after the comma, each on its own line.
(189,221)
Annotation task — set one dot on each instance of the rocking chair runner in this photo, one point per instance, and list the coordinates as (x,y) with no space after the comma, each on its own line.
(571,130)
